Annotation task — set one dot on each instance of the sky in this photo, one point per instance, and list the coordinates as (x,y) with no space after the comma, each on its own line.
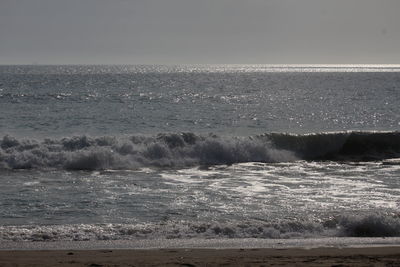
(199,32)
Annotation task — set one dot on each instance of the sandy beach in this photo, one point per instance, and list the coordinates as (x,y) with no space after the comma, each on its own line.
(369,256)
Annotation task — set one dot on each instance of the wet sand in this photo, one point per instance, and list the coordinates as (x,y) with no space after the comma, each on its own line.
(366,256)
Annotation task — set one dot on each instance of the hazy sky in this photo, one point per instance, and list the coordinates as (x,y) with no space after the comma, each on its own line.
(199,31)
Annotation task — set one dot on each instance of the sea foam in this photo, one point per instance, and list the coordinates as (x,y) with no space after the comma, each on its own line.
(372,225)
(175,150)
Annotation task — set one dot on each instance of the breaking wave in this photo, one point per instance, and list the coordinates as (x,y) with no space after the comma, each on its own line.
(372,225)
(188,149)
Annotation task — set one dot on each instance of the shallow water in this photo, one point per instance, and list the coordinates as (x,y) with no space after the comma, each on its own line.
(281,200)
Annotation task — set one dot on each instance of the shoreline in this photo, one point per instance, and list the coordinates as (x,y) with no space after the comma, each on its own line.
(345,251)
(196,243)
(322,256)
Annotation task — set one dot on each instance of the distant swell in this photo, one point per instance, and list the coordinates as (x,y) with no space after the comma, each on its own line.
(373,225)
(189,149)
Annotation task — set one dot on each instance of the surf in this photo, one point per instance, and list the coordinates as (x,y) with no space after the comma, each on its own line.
(180,150)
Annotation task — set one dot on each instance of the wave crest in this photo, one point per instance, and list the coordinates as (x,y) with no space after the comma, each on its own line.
(188,149)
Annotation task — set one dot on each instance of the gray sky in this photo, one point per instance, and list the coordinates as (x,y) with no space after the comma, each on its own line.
(199,31)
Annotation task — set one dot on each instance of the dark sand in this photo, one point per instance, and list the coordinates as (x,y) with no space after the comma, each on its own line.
(339,257)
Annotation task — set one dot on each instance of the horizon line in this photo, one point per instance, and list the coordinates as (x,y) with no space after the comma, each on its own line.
(373,65)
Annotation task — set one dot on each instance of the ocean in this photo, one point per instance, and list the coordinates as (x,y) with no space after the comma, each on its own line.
(148,152)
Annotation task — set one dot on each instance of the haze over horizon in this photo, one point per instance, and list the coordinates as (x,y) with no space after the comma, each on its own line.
(199,32)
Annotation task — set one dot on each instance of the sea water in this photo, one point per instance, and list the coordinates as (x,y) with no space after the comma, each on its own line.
(183,152)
